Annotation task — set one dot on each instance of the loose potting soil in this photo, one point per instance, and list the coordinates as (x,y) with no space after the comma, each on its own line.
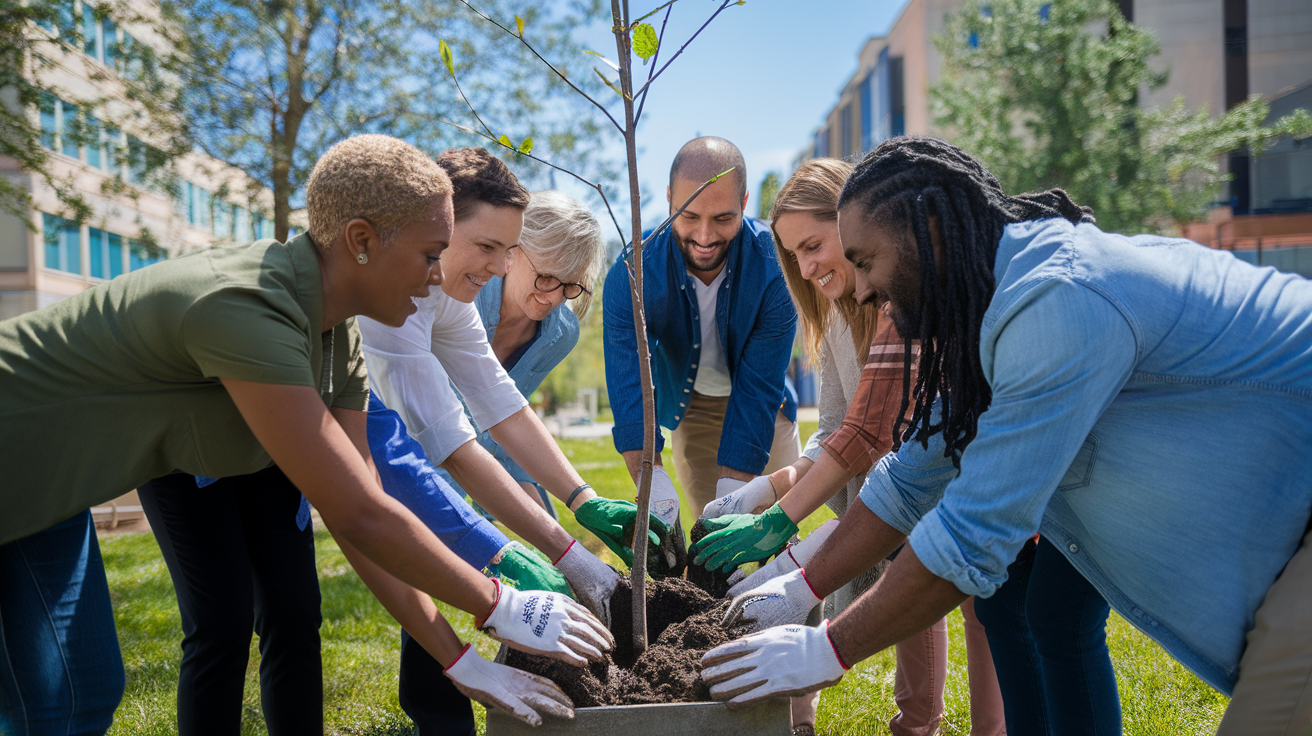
(683,622)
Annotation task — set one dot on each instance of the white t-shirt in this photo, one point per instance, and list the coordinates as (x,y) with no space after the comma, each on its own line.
(412,368)
(712,368)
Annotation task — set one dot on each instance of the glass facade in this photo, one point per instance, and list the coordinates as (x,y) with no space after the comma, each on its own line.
(106,253)
(142,255)
(63,244)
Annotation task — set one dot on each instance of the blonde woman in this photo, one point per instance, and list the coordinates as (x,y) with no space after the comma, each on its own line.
(857,409)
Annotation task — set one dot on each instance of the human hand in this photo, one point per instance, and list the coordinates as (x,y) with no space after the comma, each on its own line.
(732,540)
(787,599)
(612,520)
(546,624)
(593,581)
(793,557)
(779,662)
(524,569)
(523,695)
(755,494)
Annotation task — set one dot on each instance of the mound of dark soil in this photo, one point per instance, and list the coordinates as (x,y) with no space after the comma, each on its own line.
(683,622)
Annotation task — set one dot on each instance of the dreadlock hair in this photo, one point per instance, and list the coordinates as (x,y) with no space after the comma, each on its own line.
(902,185)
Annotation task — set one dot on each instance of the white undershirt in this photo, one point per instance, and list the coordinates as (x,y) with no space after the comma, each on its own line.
(712,368)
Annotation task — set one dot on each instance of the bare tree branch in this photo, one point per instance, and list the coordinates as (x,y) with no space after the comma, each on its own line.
(723,5)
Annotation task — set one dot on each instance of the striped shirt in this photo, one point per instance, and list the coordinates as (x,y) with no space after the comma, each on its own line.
(866,433)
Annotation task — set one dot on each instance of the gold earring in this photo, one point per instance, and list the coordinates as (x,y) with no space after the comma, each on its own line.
(363,258)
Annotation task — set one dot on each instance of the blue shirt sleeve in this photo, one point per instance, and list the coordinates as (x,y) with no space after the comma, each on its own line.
(621,355)
(758,383)
(1055,359)
(409,478)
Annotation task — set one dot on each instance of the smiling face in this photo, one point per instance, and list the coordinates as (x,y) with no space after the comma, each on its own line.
(815,244)
(885,268)
(478,249)
(520,288)
(403,270)
(705,229)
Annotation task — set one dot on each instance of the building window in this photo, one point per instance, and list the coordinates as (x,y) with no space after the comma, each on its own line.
(106,253)
(90,32)
(49,120)
(91,135)
(63,244)
(69,130)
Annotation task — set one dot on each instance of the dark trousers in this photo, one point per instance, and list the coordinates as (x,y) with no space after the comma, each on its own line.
(429,697)
(60,668)
(1047,631)
(240,564)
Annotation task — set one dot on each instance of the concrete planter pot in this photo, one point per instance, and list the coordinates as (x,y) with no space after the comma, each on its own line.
(770,718)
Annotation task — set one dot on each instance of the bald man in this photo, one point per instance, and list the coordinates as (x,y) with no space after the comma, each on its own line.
(720,328)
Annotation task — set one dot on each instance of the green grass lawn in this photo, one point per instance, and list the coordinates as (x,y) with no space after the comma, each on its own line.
(361,646)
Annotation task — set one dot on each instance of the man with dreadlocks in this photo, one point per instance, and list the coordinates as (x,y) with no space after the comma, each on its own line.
(1075,383)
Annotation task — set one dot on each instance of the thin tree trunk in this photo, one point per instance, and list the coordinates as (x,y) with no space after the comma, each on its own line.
(638,574)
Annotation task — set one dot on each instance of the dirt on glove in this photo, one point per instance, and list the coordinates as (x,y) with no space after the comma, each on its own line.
(683,622)
(712,581)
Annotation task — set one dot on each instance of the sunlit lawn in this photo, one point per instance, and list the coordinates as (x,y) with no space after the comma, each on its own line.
(361,646)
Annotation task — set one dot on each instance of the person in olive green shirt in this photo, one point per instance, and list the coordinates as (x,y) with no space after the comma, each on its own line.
(218,364)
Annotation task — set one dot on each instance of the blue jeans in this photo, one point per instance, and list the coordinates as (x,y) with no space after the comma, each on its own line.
(61,672)
(1047,631)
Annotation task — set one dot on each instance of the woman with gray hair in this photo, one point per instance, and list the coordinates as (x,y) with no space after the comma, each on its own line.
(532,315)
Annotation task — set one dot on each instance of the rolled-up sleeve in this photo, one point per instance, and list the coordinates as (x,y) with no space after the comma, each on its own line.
(866,432)
(1055,359)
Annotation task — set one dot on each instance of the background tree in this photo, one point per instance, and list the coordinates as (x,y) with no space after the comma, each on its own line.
(268,85)
(1046,94)
(769,188)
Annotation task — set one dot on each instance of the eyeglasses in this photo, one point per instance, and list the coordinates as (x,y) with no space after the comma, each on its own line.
(547,283)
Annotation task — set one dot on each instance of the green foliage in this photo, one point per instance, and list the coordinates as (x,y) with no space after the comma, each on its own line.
(269,86)
(769,189)
(645,42)
(1054,103)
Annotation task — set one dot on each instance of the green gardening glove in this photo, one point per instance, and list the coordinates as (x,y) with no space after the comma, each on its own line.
(740,538)
(613,520)
(524,569)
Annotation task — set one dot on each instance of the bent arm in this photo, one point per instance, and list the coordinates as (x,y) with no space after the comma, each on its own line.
(491,486)
(861,540)
(315,452)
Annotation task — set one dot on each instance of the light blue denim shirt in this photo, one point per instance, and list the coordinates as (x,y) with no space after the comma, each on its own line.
(1151,417)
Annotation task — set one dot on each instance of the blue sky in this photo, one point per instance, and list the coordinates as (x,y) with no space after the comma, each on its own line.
(761,75)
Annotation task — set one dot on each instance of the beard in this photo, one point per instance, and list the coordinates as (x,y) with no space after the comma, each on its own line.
(714,261)
(904,301)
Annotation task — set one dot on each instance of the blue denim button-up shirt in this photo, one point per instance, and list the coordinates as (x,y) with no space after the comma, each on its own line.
(756,321)
(1151,416)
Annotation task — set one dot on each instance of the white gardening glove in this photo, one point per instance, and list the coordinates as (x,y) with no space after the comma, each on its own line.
(664,499)
(546,624)
(778,662)
(725,486)
(519,693)
(793,557)
(752,497)
(787,599)
(592,580)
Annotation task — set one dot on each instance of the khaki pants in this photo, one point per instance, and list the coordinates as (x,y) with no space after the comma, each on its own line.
(696,444)
(1274,693)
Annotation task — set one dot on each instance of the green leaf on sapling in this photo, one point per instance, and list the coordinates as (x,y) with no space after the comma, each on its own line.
(444,51)
(526,147)
(505,141)
(609,83)
(645,41)
(520,23)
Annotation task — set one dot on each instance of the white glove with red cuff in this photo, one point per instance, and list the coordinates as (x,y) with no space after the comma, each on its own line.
(778,662)
(525,696)
(546,624)
(791,558)
(592,580)
(784,600)
(752,497)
